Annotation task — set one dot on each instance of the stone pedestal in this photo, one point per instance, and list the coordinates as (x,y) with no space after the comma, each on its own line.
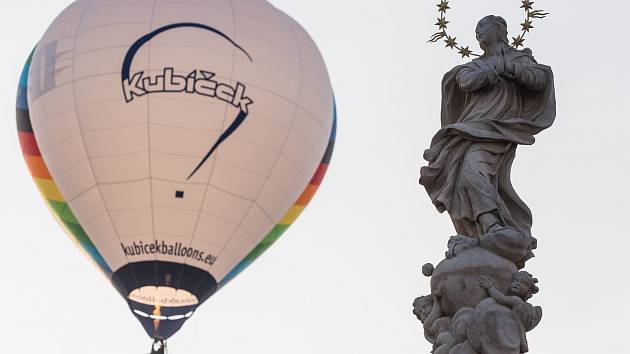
(478,302)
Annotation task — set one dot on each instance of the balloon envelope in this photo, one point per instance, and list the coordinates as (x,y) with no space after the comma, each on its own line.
(175,141)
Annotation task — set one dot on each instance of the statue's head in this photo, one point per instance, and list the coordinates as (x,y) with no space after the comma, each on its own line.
(422,307)
(492,30)
(523,285)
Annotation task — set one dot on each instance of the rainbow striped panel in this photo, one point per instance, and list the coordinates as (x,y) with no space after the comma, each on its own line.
(293,213)
(43,179)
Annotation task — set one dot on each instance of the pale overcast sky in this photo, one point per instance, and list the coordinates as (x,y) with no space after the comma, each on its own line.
(342,279)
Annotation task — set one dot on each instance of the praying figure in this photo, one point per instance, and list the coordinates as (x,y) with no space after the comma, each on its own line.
(489,107)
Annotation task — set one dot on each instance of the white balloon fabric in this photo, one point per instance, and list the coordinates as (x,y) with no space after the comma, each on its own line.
(175,140)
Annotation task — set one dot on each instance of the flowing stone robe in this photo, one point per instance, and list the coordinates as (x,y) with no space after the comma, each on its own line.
(484,118)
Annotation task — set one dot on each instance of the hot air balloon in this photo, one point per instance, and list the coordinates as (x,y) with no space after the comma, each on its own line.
(175,141)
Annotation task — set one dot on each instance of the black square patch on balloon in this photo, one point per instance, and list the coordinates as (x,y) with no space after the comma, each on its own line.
(179,194)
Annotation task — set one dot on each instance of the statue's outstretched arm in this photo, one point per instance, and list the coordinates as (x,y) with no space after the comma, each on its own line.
(472,79)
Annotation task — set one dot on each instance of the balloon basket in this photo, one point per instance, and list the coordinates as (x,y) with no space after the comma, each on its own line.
(159,347)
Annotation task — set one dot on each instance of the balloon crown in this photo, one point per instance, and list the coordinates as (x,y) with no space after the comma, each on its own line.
(465,51)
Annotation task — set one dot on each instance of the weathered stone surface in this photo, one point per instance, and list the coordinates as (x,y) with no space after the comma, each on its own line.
(457,279)
(463,348)
(511,244)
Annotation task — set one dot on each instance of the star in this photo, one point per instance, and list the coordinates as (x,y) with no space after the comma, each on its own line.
(518,41)
(443,5)
(465,52)
(527,25)
(527,4)
(442,23)
(450,41)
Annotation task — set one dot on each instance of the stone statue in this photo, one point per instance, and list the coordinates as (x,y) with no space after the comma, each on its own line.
(479,297)
(489,107)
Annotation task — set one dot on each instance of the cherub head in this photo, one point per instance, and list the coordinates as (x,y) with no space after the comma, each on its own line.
(523,285)
(458,244)
(492,30)
(422,307)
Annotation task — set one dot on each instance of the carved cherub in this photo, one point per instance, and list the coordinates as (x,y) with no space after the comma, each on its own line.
(522,289)
(485,336)
(422,307)
(437,328)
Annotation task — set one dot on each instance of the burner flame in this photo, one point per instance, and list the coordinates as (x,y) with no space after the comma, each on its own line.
(157,311)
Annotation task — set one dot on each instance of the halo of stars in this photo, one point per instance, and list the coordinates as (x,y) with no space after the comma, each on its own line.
(451,42)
